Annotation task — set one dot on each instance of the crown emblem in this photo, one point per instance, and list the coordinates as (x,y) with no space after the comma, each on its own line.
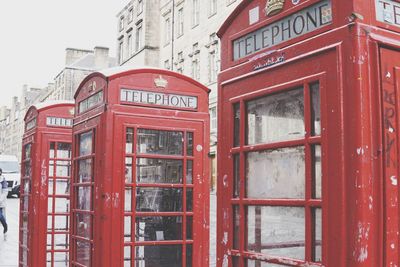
(160,82)
(273,7)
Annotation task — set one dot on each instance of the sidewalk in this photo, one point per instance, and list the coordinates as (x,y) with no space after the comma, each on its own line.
(9,248)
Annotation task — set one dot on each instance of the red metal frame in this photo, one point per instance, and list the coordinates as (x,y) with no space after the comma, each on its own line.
(351,58)
(45,172)
(117,225)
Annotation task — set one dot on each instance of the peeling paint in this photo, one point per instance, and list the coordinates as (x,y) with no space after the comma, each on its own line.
(225,239)
(225,261)
(363,254)
(225,180)
(371,200)
(360,151)
(391,130)
(392,246)
(394,180)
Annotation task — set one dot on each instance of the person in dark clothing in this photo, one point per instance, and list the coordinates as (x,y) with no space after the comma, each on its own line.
(3,200)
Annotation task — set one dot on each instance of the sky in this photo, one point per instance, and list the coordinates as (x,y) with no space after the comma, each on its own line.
(35,33)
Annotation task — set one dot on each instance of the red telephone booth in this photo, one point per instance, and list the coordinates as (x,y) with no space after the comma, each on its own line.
(45,184)
(308,134)
(140,186)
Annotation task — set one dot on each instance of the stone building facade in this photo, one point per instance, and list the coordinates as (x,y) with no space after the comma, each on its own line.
(181,37)
(78,64)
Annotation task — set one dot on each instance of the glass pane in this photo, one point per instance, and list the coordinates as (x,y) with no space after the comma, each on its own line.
(258,263)
(236,227)
(61,223)
(83,253)
(316,109)
(28,169)
(159,142)
(127,256)
(189,199)
(235,261)
(62,187)
(317,172)
(276,231)
(28,151)
(63,168)
(158,228)
(276,117)
(52,148)
(61,259)
(317,235)
(61,241)
(61,205)
(189,255)
(168,171)
(129,140)
(160,256)
(128,199)
(84,197)
(158,199)
(189,227)
(85,144)
(236,176)
(50,223)
(127,228)
(281,172)
(236,121)
(64,150)
(85,170)
(50,187)
(50,205)
(49,241)
(51,168)
(189,143)
(83,225)
(128,170)
(189,172)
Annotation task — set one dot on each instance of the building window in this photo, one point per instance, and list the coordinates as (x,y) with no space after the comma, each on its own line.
(140,7)
(129,45)
(167,30)
(212,7)
(138,43)
(212,58)
(180,22)
(213,118)
(167,65)
(121,23)
(121,52)
(195,13)
(130,15)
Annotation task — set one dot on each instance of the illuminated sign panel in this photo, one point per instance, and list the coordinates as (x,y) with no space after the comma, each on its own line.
(156,98)
(91,101)
(388,11)
(295,25)
(55,121)
(30,124)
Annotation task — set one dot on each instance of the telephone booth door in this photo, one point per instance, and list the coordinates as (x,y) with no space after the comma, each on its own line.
(140,188)
(162,189)
(46,172)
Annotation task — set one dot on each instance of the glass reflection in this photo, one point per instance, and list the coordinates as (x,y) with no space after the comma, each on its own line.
(276,117)
(84,197)
(160,256)
(128,170)
(189,255)
(85,170)
(83,225)
(159,171)
(83,252)
(189,199)
(275,170)
(61,223)
(316,109)
(158,228)
(63,168)
(317,192)
(276,231)
(52,149)
(129,140)
(236,121)
(64,150)
(236,226)
(189,143)
(159,142)
(189,172)
(317,257)
(158,199)
(62,187)
(236,175)
(85,144)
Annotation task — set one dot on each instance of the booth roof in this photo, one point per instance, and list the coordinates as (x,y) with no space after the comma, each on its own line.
(49,103)
(120,69)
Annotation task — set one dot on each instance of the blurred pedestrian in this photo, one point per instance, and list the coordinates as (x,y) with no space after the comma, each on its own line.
(3,200)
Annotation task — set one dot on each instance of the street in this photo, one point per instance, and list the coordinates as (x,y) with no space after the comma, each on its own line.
(9,248)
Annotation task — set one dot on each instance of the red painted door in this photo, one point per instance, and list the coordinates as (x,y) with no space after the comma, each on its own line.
(390,77)
(164,216)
